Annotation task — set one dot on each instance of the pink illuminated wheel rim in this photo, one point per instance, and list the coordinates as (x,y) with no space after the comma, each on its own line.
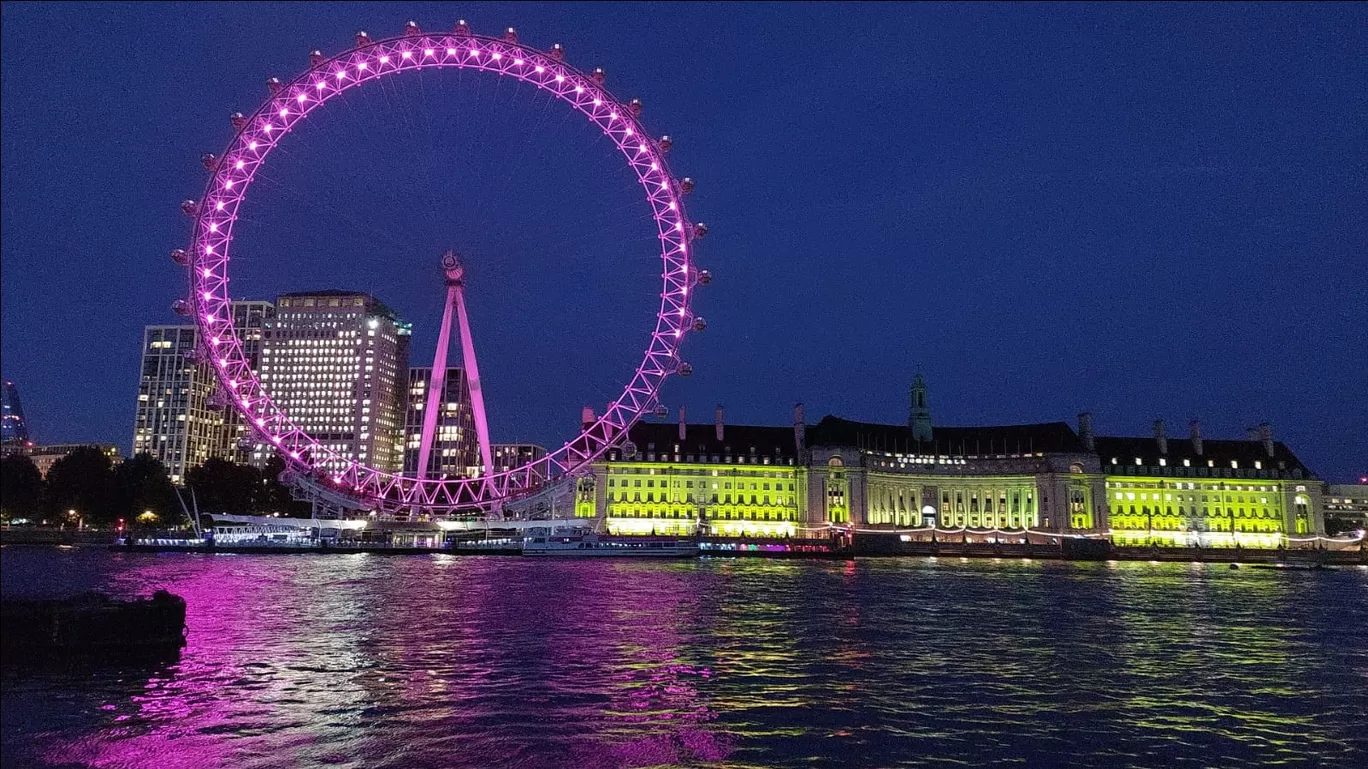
(291,102)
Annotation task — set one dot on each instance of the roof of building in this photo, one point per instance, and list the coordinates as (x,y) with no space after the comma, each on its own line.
(1047,437)
(329,292)
(377,306)
(702,439)
(1220,452)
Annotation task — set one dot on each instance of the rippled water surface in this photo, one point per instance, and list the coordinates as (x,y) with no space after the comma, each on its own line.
(444,661)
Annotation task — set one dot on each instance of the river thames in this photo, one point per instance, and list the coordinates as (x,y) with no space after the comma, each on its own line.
(447,661)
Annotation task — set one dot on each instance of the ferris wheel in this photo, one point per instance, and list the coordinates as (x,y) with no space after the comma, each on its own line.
(289,102)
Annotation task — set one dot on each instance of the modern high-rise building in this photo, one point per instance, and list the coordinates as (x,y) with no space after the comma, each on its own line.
(455,448)
(13,428)
(510,456)
(336,362)
(174,421)
(249,319)
(177,422)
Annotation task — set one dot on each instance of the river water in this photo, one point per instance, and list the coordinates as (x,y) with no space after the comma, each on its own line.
(447,661)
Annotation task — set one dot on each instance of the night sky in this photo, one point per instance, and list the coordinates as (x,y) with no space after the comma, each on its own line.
(1136,210)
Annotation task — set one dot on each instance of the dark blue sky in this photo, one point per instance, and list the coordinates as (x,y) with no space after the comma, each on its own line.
(1143,211)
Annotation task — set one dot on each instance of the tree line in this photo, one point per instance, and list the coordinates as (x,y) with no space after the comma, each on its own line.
(85,487)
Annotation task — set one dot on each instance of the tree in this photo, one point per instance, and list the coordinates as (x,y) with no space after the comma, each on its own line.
(83,481)
(224,486)
(274,496)
(144,485)
(21,487)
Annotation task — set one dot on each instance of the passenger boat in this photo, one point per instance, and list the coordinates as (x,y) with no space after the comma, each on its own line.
(591,545)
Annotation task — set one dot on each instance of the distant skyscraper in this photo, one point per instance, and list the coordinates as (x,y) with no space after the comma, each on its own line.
(336,362)
(455,451)
(176,421)
(13,428)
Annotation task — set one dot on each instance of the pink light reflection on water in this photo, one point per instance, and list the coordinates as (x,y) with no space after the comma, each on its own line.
(368,660)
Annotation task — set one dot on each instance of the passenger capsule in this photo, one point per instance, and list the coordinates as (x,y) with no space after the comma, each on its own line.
(362,39)
(411,29)
(665,143)
(209,160)
(557,52)
(189,207)
(700,324)
(180,256)
(238,120)
(700,230)
(315,58)
(704,277)
(181,308)
(661,412)
(686,185)
(273,85)
(462,28)
(246,444)
(685,369)
(192,355)
(599,75)
(634,106)
(511,35)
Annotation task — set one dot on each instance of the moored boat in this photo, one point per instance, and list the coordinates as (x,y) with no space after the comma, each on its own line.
(591,545)
(92,623)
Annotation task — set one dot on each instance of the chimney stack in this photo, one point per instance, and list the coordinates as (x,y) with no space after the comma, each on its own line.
(1196,437)
(587,417)
(717,421)
(799,429)
(681,423)
(1160,437)
(1085,429)
(1266,435)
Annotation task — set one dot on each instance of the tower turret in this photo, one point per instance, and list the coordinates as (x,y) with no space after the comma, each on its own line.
(919,414)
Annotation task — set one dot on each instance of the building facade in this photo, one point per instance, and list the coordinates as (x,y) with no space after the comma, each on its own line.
(1346,508)
(990,482)
(179,418)
(44,457)
(175,421)
(510,456)
(249,320)
(1209,493)
(455,448)
(336,362)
